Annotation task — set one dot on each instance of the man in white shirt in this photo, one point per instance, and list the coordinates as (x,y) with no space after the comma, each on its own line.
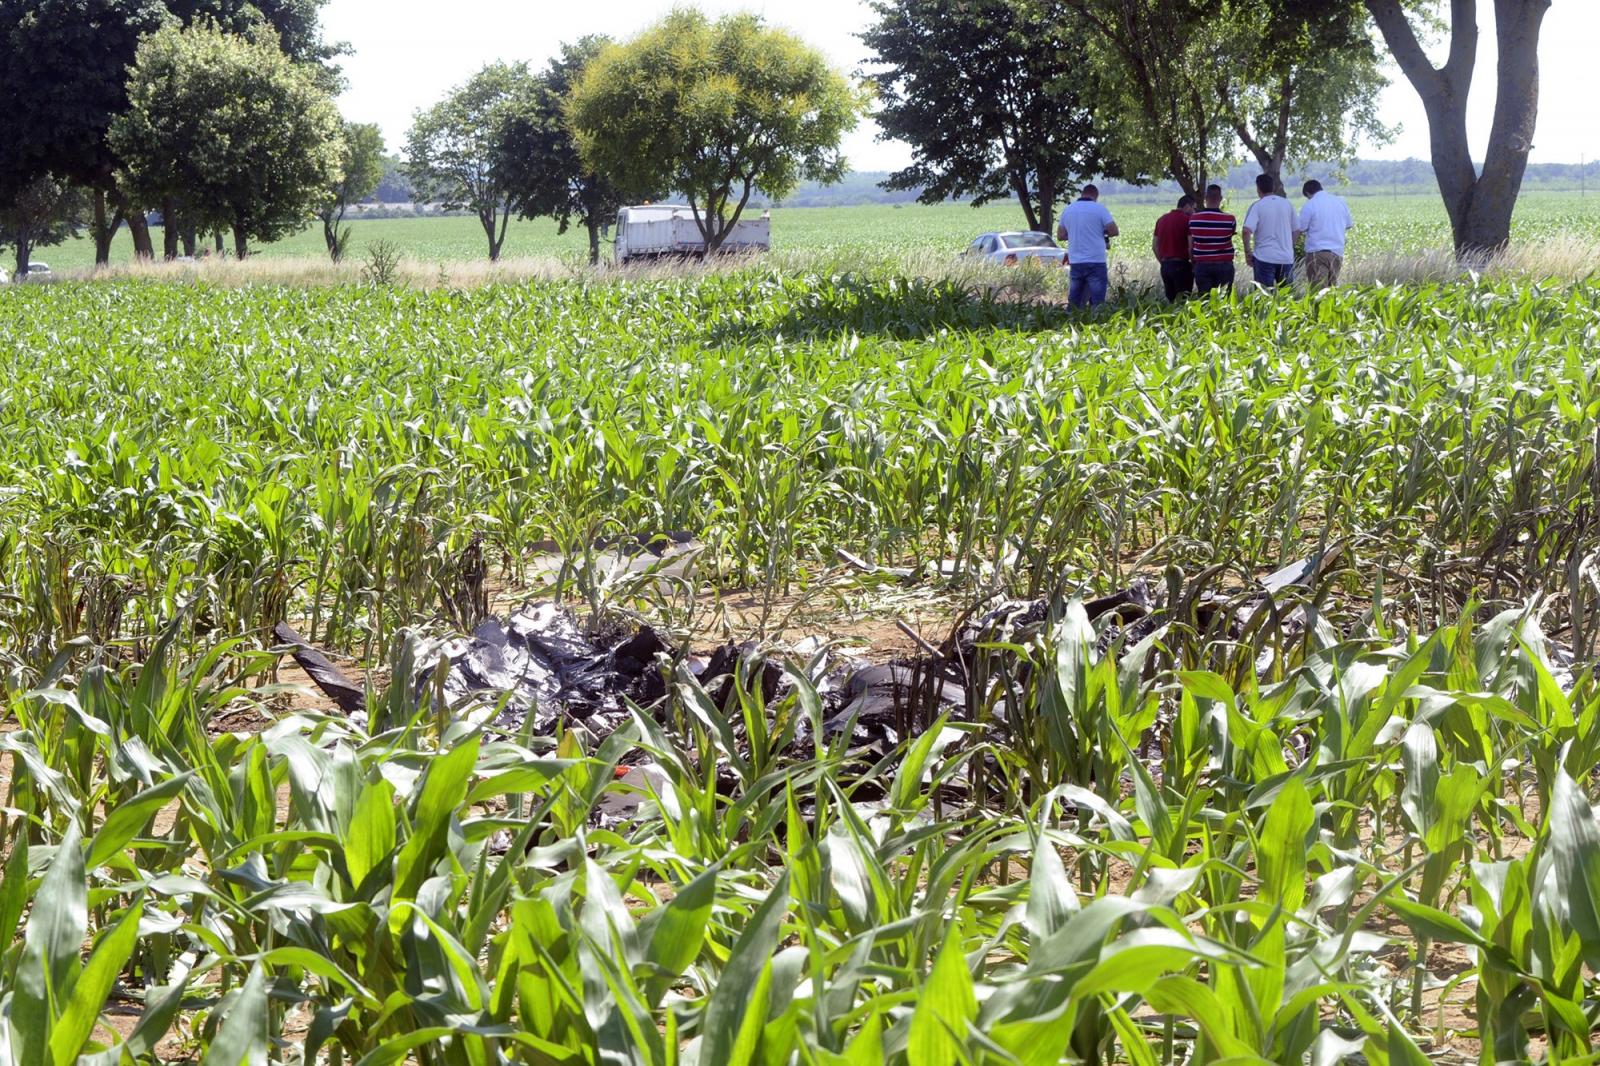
(1269,236)
(1325,219)
(1087,227)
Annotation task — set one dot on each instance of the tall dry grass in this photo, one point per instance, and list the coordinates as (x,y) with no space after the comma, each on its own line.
(1567,259)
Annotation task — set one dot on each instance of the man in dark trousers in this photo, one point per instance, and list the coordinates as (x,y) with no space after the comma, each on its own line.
(1211,234)
(1171,247)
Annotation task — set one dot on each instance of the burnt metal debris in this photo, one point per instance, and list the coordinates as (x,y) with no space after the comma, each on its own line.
(346,694)
(541,663)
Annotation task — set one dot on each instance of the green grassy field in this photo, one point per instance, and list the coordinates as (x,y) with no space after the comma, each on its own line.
(1352,822)
(1405,223)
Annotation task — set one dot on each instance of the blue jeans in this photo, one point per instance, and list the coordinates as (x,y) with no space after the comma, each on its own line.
(1088,285)
(1272,275)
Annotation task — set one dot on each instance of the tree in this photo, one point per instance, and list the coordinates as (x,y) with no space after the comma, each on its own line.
(394,187)
(361,168)
(1479,203)
(992,98)
(551,176)
(1161,66)
(1301,81)
(458,149)
(241,132)
(715,110)
(47,211)
(296,24)
(63,79)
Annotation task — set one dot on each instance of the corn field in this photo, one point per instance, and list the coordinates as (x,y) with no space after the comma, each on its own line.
(1351,821)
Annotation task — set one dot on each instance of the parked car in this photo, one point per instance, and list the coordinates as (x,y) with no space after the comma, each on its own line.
(37,271)
(4,277)
(1009,249)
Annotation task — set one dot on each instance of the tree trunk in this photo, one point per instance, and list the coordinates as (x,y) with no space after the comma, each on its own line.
(24,252)
(1479,205)
(169,229)
(139,227)
(593,226)
(241,243)
(102,230)
(188,234)
(221,249)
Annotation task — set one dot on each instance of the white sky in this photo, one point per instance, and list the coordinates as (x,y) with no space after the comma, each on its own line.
(407,54)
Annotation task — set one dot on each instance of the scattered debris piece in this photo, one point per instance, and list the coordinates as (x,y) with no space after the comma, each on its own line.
(349,696)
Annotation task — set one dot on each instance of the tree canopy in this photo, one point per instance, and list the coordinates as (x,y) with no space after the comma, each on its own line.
(361,168)
(47,211)
(245,135)
(552,177)
(714,110)
(991,96)
(1301,80)
(458,150)
(63,79)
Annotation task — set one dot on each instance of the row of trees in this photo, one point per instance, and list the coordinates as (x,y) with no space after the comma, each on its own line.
(219,112)
(711,110)
(1031,97)
(216,112)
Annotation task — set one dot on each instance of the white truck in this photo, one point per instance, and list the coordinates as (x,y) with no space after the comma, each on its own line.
(655,230)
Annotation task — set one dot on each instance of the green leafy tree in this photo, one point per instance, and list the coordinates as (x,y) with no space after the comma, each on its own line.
(296,23)
(715,110)
(63,80)
(459,150)
(551,175)
(1301,80)
(360,169)
(1162,65)
(991,96)
(246,136)
(47,211)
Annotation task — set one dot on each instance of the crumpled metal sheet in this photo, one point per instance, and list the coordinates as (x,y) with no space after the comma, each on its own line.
(542,663)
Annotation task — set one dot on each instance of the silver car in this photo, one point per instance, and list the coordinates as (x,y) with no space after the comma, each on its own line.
(1012,249)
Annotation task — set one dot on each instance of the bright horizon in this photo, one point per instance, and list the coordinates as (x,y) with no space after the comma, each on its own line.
(404,58)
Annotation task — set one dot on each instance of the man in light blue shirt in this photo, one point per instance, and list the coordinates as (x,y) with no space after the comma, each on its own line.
(1087,227)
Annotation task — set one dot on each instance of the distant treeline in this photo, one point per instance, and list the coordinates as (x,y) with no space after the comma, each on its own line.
(1369,177)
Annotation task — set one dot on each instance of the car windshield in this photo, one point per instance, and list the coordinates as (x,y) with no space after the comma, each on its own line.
(1027,240)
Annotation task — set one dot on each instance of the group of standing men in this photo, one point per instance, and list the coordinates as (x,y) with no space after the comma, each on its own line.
(1194,244)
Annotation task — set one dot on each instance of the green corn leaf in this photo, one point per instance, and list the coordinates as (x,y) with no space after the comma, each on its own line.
(907,793)
(444,787)
(946,1006)
(733,1019)
(1420,758)
(1051,899)
(676,932)
(241,1039)
(1184,997)
(49,963)
(93,985)
(1575,852)
(1433,923)
(1281,847)
(371,840)
(14,886)
(130,816)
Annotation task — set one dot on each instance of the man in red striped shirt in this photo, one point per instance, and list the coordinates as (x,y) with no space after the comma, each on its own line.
(1211,235)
